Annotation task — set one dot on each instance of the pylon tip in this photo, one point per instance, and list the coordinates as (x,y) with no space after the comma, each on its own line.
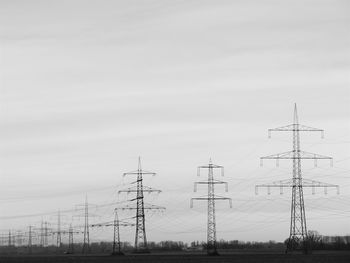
(295,114)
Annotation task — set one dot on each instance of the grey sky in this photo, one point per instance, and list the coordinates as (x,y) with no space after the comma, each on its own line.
(88,86)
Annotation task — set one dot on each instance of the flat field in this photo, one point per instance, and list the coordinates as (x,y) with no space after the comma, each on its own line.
(325,257)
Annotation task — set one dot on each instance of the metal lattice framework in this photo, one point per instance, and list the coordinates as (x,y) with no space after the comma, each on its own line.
(116,223)
(86,245)
(70,239)
(140,189)
(70,232)
(59,237)
(211,197)
(298,236)
(45,231)
(30,236)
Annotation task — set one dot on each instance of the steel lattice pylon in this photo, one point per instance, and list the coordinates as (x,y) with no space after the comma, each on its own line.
(70,240)
(85,206)
(30,236)
(59,238)
(116,223)
(86,245)
(140,214)
(140,236)
(116,235)
(70,232)
(298,236)
(298,230)
(211,197)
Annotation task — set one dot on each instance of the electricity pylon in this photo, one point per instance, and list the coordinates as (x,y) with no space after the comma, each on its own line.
(140,236)
(116,223)
(70,233)
(86,215)
(30,237)
(86,245)
(44,233)
(9,239)
(211,197)
(58,232)
(298,237)
(70,240)
(19,238)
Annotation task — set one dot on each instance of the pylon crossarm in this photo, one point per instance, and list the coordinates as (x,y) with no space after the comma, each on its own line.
(214,166)
(213,182)
(113,224)
(208,198)
(316,184)
(149,207)
(139,172)
(296,127)
(134,189)
(290,183)
(297,155)
(210,166)
(300,155)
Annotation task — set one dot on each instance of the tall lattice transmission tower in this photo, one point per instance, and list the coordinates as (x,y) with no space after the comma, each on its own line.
(298,237)
(86,245)
(140,236)
(211,197)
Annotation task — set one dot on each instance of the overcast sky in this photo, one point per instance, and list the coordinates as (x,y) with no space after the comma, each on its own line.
(88,86)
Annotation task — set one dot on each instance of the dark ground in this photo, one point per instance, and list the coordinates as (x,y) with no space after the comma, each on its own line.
(321,257)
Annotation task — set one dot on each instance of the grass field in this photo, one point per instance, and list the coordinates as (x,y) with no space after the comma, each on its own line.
(325,257)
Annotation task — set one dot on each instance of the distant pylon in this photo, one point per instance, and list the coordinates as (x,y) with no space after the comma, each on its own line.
(19,238)
(85,206)
(42,241)
(86,245)
(30,235)
(211,197)
(44,233)
(59,238)
(9,239)
(140,236)
(70,240)
(116,223)
(70,232)
(116,235)
(298,237)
